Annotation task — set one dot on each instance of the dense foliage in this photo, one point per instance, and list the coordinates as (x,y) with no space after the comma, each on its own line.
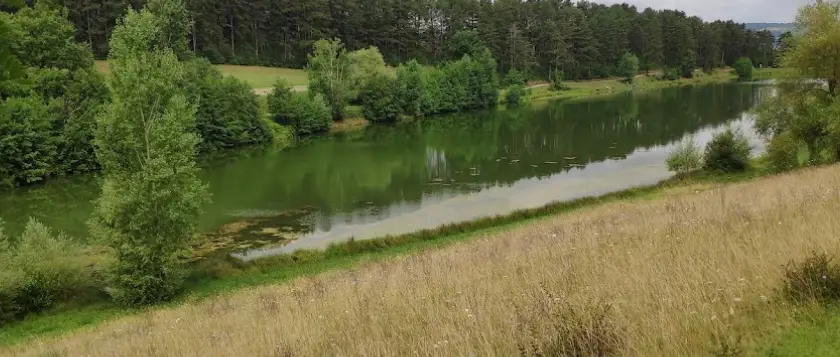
(147,144)
(380,99)
(47,114)
(304,113)
(515,95)
(228,114)
(744,68)
(468,83)
(582,39)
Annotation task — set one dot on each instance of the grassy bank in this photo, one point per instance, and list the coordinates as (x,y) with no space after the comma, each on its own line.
(307,263)
(685,268)
(583,89)
(255,76)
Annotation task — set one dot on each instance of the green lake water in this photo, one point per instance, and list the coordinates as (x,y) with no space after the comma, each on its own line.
(392,179)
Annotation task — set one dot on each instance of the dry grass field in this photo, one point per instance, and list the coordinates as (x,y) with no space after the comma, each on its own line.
(679,275)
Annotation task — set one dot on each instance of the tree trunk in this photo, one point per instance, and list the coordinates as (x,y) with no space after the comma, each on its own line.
(832,87)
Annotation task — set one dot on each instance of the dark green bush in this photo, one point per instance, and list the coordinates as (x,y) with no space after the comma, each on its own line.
(228,113)
(469,83)
(380,101)
(515,96)
(817,278)
(306,114)
(783,152)
(410,83)
(728,151)
(671,74)
(744,68)
(38,270)
(557,83)
(27,141)
(513,77)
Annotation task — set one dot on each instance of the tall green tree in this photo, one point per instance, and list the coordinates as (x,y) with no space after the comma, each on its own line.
(146,143)
(816,48)
(329,74)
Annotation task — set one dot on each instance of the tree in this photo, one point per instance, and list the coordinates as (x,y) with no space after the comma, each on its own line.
(146,143)
(465,42)
(744,68)
(44,37)
(815,50)
(329,75)
(379,99)
(628,67)
(410,87)
(364,65)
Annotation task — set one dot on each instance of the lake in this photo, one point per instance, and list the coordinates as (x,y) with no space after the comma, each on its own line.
(393,179)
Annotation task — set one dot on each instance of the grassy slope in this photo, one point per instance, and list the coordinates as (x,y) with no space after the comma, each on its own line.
(68,318)
(684,270)
(816,335)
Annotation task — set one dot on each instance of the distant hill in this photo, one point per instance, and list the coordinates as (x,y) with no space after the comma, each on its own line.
(775,28)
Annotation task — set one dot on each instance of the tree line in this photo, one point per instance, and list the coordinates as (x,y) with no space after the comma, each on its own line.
(581,39)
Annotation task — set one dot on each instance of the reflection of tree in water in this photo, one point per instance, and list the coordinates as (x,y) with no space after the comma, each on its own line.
(387,168)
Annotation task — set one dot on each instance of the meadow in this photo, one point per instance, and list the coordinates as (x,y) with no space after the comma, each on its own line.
(691,270)
(257,77)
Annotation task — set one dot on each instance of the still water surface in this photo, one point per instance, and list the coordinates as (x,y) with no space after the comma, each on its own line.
(405,177)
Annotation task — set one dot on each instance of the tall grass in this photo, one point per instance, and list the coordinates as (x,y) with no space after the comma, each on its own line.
(683,275)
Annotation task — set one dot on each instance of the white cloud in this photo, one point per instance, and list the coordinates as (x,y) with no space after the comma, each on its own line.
(738,10)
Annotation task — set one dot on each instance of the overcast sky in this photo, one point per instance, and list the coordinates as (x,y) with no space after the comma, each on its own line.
(738,10)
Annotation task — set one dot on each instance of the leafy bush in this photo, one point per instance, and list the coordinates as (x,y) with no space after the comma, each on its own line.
(380,100)
(744,68)
(28,146)
(815,279)
(514,76)
(628,67)
(37,270)
(228,113)
(515,96)
(410,87)
(469,83)
(728,151)
(365,64)
(782,152)
(45,37)
(305,114)
(685,157)
(557,82)
(671,74)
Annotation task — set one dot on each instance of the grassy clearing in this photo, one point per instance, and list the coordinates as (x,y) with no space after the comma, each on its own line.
(257,77)
(692,270)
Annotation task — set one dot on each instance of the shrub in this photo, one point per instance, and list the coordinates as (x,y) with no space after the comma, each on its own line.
(228,112)
(685,157)
(557,82)
(37,270)
(410,87)
(783,152)
(26,138)
(671,74)
(628,67)
(744,68)
(515,96)
(815,279)
(380,100)
(514,76)
(365,64)
(469,83)
(305,114)
(728,151)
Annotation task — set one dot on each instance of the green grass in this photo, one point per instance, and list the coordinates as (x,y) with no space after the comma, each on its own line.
(337,256)
(770,73)
(256,77)
(818,335)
